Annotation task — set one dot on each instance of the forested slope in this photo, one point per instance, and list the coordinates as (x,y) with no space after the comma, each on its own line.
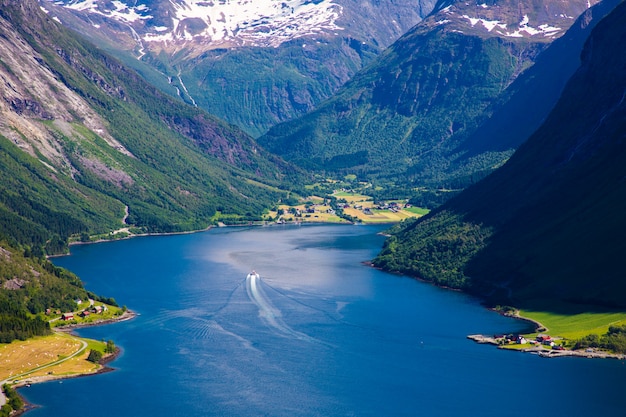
(549,224)
(413,115)
(82,137)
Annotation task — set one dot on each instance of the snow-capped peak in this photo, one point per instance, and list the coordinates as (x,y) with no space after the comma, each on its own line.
(252,22)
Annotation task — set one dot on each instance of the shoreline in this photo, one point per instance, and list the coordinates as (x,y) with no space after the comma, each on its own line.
(69,328)
(130,236)
(538,327)
(28,406)
(539,350)
(548,353)
(189,232)
(104,367)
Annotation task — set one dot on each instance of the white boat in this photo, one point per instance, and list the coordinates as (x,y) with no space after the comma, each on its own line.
(253,274)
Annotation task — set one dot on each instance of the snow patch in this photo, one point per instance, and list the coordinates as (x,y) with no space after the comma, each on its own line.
(258,22)
(487,24)
(524,21)
(120,11)
(524,28)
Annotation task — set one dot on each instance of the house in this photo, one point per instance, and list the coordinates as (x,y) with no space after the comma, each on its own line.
(84,313)
(67,316)
(543,338)
(97,309)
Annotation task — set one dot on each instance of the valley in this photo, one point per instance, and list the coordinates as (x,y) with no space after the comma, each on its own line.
(479,144)
(346,207)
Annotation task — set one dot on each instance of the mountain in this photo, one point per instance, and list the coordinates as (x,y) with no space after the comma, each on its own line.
(84,140)
(253,63)
(548,226)
(28,286)
(412,116)
(529,99)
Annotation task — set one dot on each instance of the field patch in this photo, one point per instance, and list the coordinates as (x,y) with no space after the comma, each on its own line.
(575,326)
(46,357)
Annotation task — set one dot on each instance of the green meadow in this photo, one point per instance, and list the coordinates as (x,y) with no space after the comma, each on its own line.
(577,323)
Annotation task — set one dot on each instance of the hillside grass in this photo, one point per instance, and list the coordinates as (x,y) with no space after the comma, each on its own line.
(322,214)
(418,210)
(110,313)
(20,357)
(575,323)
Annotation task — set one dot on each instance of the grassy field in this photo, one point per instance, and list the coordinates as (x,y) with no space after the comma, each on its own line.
(46,357)
(417,210)
(575,325)
(322,213)
(380,216)
(110,313)
(352,197)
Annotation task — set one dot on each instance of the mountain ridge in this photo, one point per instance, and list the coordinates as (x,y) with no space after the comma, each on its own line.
(251,84)
(84,137)
(545,228)
(410,113)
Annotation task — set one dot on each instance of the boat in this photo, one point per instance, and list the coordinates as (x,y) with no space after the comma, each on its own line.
(253,274)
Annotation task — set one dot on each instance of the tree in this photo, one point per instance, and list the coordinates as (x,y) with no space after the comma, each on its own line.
(110,347)
(94,356)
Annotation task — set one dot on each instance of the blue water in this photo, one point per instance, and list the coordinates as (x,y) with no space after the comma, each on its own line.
(319,334)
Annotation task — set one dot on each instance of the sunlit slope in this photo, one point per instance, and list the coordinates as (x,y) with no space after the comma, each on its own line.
(83,137)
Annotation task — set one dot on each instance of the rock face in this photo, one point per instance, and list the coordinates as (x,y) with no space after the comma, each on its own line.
(411,112)
(253,63)
(31,92)
(82,136)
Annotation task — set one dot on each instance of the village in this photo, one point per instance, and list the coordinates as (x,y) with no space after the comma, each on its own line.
(93,309)
(347,206)
(92,313)
(543,345)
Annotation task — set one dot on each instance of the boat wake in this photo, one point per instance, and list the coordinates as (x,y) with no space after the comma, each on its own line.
(267,311)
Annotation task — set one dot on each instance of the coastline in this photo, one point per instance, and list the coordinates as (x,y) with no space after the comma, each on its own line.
(129,236)
(103,363)
(541,351)
(127,315)
(104,368)
(538,327)
(220,225)
(548,353)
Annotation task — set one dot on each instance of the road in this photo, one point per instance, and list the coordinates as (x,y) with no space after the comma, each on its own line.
(48,365)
